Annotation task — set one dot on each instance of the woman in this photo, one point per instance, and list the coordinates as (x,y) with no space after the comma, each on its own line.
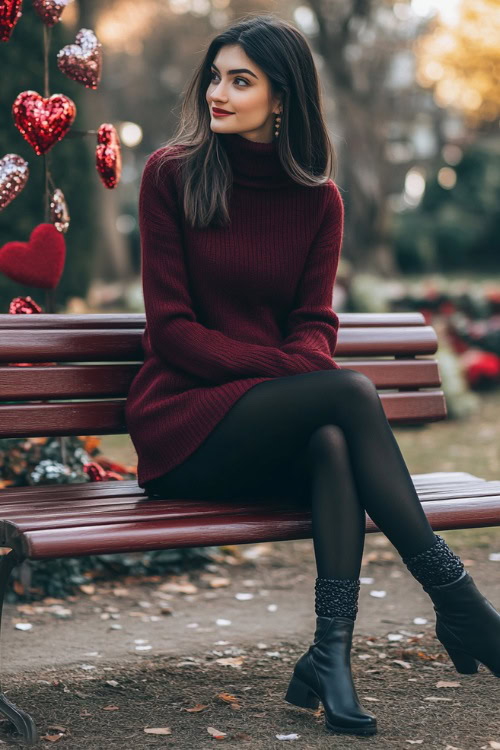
(241,232)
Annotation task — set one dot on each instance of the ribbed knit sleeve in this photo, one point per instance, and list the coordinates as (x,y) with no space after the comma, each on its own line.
(313,325)
(175,334)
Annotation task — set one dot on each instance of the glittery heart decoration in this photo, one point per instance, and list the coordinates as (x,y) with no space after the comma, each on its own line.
(38,262)
(108,155)
(10,13)
(28,306)
(42,121)
(82,62)
(25,305)
(50,10)
(14,173)
(59,214)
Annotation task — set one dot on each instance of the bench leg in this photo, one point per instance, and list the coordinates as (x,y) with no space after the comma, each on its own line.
(21,720)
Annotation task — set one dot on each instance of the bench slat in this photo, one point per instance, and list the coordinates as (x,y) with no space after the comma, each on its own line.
(242,528)
(63,518)
(125,344)
(95,497)
(64,514)
(99,381)
(108,417)
(138,320)
(59,510)
(107,496)
(129,488)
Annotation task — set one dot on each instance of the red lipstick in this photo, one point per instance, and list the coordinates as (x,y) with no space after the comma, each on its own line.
(220,112)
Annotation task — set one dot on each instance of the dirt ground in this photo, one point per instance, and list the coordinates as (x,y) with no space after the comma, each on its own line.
(207,656)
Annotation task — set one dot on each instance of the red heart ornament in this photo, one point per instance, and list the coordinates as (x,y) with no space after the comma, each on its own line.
(43,122)
(10,13)
(38,262)
(82,61)
(50,10)
(108,155)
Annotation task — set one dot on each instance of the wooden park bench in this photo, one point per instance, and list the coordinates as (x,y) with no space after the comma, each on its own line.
(95,358)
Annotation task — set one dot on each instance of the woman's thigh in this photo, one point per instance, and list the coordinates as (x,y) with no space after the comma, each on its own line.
(259,447)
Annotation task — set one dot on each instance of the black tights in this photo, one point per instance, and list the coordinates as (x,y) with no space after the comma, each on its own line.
(323,436)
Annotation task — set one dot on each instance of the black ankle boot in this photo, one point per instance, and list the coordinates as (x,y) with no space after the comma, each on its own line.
(467,625)
(323,674)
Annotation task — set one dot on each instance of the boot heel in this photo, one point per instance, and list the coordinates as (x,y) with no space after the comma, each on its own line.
(301,695)
(464,663)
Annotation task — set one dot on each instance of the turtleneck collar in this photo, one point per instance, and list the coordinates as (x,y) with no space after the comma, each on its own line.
(255,164)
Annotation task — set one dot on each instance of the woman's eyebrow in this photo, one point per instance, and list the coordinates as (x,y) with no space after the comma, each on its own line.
(236,70)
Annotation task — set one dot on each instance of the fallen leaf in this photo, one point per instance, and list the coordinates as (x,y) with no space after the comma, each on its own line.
(231,661)
(227,697)
(404,664)
(197,707)
(158,730)
(179,588)
(52,737)
(217,583)
(216,733)
(87,588)
(494,745)
(111,708)
(120,592)
(445,684)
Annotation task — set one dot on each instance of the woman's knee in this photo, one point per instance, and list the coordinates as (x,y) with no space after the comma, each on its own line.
(358,389)
(327,442)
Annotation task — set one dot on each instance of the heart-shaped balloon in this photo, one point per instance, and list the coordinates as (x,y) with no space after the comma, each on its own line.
(10,13)
(42,121)
(108,155)
(38,262)
(14,173)
(50,10)
(82,61)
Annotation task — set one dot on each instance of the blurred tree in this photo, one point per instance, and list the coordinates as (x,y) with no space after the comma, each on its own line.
(455,227)
(460,58)
(72,168)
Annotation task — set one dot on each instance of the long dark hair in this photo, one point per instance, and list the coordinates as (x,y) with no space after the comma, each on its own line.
(304,146)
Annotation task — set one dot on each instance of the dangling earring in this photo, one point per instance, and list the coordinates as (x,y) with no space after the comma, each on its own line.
(277,122)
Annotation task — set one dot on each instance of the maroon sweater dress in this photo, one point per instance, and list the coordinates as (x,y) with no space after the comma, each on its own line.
(227,308)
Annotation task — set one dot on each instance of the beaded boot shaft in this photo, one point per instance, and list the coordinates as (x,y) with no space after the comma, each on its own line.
(435,566)
(337,597)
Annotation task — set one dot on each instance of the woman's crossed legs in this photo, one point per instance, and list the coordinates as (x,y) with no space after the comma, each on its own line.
(321,435)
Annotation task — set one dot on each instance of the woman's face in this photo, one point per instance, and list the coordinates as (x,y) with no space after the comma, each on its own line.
(246,94)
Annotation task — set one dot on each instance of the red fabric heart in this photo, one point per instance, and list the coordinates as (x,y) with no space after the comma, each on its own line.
(43,122)
(10,13)
(38,262)
(108,155)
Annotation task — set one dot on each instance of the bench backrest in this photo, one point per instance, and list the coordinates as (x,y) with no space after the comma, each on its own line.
(70,374)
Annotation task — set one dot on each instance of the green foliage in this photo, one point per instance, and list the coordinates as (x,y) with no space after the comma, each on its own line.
(457,228)
(72,162)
